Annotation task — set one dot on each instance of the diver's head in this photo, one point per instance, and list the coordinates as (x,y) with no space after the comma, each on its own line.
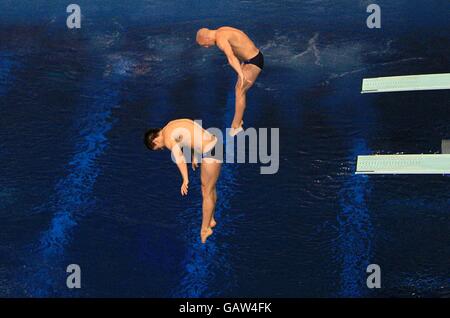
(153,139)
(206,37)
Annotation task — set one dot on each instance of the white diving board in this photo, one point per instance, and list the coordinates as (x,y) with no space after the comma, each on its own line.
(404,164)
(406,83)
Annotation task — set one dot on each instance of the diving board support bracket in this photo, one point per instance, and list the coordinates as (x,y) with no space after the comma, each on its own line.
(406,83)
(445,146)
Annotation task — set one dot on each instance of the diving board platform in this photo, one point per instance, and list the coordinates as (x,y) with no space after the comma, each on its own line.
(406,83)
(404,164)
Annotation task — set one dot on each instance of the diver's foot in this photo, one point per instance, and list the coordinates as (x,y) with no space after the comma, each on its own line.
(205,233)
(213,223)
(234,130)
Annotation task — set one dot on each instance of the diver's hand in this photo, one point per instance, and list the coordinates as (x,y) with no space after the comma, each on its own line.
(194,163)
(184,187)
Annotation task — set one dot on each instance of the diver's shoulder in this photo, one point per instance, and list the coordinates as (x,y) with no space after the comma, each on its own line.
(227,30)
(179,121)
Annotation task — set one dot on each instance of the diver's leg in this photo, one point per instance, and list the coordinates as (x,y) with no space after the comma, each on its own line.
(210,170)
(240,103)
(213,222)
(251,72)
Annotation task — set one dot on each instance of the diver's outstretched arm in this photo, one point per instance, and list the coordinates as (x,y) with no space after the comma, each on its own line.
(178,156)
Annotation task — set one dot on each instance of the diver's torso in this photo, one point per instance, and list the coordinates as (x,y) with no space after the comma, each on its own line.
(188,133)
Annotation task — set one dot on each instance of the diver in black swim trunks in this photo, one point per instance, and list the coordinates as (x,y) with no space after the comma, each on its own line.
(243,56)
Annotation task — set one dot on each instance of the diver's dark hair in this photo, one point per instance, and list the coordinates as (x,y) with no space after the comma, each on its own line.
(149,137)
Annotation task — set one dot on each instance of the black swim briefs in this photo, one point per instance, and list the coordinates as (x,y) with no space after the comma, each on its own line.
(258,60)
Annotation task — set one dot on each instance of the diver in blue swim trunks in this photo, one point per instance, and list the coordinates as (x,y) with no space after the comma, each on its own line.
(243,56)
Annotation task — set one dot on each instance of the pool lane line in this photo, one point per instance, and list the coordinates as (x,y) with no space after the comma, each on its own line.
(201,259)
(355,231)
(45,275)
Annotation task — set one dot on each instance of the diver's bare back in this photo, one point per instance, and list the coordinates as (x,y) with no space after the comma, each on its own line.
(242,46)
(177,130)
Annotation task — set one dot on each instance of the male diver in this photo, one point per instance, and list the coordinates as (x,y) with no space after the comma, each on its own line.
(243,56)
(185,134)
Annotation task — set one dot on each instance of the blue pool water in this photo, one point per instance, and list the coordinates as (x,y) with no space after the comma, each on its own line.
(78,186)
